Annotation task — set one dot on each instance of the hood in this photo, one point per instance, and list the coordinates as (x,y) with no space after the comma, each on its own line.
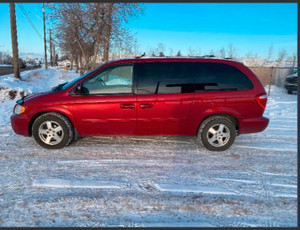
(35,95)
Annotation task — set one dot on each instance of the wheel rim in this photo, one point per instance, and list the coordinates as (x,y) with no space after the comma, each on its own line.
(50,132)
(218,135)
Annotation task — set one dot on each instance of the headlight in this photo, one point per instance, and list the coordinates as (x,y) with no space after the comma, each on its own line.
(19,109)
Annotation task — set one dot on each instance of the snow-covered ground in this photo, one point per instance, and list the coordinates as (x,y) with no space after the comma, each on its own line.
(148,181)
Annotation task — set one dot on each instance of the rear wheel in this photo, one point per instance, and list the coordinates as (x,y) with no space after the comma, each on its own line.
(217,133)
(52,130)
(290,91)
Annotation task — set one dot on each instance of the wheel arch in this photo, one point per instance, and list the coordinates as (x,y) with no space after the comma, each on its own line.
(38,114)
(231,117)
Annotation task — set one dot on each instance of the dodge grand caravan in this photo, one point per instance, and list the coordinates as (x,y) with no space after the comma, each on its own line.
(212,99)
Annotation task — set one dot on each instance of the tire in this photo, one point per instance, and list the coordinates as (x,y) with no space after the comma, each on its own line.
(52,130)
(216,133)
(290,91)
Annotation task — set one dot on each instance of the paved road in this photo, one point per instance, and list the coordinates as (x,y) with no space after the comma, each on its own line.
(9,70)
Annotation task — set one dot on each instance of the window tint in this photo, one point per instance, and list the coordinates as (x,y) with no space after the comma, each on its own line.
(219,77)
(164,78)
(114,80)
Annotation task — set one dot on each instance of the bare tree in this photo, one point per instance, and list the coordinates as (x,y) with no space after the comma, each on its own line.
(161,54)
(199,52)
(222,53)
(178,54)
(231,51)
(212,52)
(192,52)
(86,29)
(5,58)
(281,56)
(160,49)
(171,52)
(117,14)
(293,59)
(269,56)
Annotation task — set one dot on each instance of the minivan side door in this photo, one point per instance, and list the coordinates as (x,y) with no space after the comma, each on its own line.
(165,97)
(107,104)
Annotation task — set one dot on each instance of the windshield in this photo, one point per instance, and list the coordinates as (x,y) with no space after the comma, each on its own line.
(75,80)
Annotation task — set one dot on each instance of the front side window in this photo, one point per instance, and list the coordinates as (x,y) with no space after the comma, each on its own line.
(114,80)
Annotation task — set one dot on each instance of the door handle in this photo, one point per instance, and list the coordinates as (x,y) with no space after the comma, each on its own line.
(146,106)
(127,106)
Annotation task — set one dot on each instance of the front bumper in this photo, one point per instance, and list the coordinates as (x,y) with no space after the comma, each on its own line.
(291,86)
(20,124)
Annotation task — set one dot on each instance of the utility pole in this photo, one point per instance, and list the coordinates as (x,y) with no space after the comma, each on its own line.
(51,47)
(14,40)
(45,45)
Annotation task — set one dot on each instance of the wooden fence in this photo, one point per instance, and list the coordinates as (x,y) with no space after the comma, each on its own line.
(272,75)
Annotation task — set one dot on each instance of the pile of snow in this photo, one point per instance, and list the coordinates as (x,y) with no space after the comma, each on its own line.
(5,65)
(32,81)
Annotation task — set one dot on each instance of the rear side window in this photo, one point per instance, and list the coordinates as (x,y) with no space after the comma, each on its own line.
(219,77)
(164,78)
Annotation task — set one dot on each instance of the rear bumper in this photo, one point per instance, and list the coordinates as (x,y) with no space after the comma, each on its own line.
(253,125)
(20,124)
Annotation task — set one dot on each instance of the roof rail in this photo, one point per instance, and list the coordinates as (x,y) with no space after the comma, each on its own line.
(144,54)
(210,55)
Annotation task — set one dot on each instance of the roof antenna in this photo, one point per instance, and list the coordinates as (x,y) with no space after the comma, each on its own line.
(144,54)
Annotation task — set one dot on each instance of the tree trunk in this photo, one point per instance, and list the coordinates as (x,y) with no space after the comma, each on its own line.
(108,32)
(81,65)
(77,65)
(72,62)
(95,56)
(51,49)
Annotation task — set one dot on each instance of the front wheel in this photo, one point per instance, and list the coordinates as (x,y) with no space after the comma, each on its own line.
(217,133)
(52,130)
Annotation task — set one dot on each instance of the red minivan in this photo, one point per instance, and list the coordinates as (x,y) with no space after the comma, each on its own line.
(213,99)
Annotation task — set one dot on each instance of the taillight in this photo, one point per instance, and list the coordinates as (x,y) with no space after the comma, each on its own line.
(262,100)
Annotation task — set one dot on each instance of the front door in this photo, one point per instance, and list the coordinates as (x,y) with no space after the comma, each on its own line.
(107,105)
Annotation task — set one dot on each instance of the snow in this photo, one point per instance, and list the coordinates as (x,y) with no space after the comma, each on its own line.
(148,181)
(204,189)
(87,183)
(5,65)
(115,80)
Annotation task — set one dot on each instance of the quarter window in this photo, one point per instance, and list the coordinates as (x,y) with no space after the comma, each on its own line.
(219,77)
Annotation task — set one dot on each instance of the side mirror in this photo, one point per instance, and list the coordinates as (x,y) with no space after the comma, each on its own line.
(76,90)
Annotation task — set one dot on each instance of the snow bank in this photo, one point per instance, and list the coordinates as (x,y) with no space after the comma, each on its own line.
(5,65)
(32,81)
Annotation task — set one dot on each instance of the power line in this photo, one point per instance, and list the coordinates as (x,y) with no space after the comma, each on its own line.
(29,20)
